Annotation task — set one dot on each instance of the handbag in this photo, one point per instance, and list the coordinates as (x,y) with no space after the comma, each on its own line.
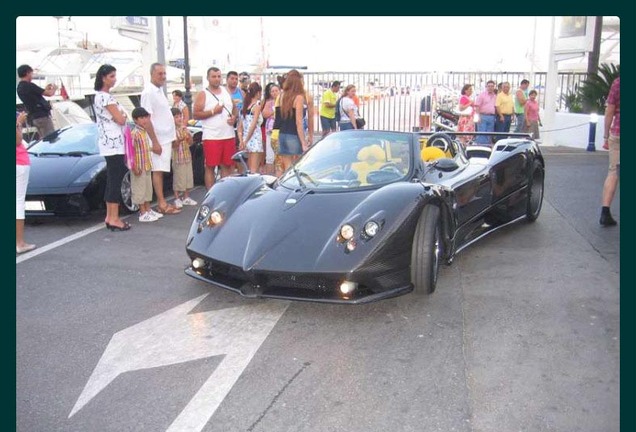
(276,128)
(360,122)
(468,111)
(129,148)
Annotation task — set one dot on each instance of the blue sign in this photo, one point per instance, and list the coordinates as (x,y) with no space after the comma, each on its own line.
(137,20)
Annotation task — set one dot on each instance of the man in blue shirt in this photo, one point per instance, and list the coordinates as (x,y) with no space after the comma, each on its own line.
(237,95)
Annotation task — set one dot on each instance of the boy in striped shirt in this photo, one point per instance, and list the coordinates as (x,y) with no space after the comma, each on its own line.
(182,178)
(141,179)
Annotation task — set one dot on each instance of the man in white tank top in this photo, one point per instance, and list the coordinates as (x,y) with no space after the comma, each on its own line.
(214,107)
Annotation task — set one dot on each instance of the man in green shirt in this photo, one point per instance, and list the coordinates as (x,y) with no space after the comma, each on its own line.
(521,96)
(328,109)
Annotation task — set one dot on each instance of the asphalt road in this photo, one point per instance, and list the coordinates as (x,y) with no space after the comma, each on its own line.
(522,334)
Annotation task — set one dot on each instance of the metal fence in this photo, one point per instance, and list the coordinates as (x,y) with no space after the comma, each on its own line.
(391,100)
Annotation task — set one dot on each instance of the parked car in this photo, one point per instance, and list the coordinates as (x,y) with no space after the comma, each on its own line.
(63,113)
(362,216)
(68,175)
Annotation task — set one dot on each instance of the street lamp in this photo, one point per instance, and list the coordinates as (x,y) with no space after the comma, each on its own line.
(187,97)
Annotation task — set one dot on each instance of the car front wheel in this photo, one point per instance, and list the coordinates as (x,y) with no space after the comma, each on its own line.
(426,251)
(535,191)
(126,194)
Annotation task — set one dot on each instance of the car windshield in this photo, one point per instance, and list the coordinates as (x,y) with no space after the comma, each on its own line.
(351,160)
(71,140)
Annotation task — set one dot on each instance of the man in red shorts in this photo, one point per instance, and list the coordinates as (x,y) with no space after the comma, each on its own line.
(214,107)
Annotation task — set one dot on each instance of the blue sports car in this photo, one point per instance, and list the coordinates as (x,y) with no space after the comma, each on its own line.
(68,175)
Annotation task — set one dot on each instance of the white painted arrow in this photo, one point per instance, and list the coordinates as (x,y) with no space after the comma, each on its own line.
(177,337)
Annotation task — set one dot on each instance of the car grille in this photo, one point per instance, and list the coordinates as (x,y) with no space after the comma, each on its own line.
(277,284)
(321,287)
(235,276)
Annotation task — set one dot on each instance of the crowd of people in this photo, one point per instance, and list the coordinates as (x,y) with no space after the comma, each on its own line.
(273,125)
(494,109)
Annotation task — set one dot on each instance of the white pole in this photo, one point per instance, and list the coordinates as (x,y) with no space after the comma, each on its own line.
(532,55)
(149,48)
(550,93)
(161,55)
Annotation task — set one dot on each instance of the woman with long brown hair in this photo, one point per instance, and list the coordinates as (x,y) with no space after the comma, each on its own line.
(292,141)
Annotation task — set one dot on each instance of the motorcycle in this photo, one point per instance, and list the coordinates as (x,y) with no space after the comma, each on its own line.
(445,120)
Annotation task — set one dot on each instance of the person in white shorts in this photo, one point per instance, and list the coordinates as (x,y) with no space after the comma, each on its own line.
(162,132)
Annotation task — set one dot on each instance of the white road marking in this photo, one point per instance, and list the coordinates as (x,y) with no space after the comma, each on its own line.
(174,337)
(62,242)
(56,244)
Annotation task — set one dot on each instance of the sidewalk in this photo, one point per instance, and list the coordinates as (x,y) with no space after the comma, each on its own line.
(559,149)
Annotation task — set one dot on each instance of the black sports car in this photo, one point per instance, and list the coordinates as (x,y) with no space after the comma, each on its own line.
(362,216)
(68,175)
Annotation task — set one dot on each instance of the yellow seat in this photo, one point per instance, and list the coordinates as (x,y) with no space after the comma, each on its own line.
(370,158)
(424,144)
(429,154)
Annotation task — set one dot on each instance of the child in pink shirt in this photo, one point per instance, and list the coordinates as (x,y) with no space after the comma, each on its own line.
(533,121)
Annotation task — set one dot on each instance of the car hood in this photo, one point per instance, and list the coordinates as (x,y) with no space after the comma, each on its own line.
(281,230)
(55,172)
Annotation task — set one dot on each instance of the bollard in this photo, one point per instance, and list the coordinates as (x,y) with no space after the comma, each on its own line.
(591,140)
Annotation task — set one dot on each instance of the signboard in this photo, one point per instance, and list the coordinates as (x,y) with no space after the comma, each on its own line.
(576,34)
(572,26)
(136,24)
(137,20)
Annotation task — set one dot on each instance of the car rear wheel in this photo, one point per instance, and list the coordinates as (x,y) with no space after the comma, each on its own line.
(126,194)
(535,191)
(426,251)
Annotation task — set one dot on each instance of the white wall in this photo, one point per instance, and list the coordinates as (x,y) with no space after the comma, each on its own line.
(572,130)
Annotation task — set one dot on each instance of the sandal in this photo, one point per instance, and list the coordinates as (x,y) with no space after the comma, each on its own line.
(126,227)
(169,210)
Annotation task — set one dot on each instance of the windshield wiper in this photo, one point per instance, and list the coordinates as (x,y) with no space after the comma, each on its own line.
(79,153)
(72,153)
(48,154)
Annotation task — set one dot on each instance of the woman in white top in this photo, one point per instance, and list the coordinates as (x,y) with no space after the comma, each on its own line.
(110,119)
(348,109)
(249,127)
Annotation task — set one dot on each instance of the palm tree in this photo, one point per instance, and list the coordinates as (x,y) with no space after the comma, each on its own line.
(572,100)
(594,89)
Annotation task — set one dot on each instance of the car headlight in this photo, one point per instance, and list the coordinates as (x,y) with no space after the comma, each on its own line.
(204,212)
(371,228)
(347,232)
(215,218)
(89,175)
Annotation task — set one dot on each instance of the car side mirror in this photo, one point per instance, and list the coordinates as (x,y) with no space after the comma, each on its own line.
(445,164)
(241,156)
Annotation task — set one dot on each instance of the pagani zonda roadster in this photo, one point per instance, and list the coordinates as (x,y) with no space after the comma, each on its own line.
(362,216)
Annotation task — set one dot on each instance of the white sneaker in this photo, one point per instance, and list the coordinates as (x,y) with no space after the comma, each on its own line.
(147,217)
(178,203)
(155,214)
(189,201)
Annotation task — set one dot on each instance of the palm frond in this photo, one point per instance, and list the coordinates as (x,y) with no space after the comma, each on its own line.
(594,89)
